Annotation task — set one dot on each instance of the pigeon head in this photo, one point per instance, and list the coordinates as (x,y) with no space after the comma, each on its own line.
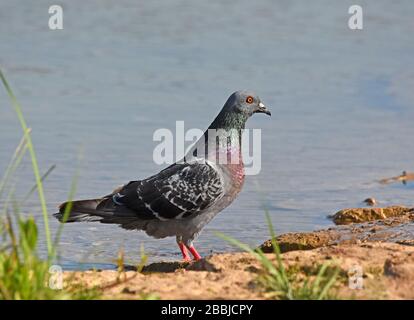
(240,106)
(247,103)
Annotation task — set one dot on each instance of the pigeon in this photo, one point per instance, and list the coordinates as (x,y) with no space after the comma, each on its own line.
(181,199)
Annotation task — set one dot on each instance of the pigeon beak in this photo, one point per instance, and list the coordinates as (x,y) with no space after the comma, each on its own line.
(262,109)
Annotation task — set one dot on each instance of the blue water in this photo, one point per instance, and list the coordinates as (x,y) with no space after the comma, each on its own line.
(342,104)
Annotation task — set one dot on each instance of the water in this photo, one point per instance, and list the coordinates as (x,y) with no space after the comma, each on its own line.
(342,105)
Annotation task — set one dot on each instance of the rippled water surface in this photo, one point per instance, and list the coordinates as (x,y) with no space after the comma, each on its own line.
(342,104)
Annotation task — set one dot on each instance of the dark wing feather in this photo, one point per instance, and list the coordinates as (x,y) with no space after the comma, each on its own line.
(176,192)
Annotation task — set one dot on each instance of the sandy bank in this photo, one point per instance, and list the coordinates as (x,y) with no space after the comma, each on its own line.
(382,251)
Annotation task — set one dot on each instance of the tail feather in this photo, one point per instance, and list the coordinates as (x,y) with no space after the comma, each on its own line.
(80,210)
(103,210)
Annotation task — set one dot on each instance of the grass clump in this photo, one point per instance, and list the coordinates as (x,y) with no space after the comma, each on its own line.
(23,275)
(287,284)
(36,171)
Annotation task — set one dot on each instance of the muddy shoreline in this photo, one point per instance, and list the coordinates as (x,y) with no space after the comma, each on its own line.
(381,249)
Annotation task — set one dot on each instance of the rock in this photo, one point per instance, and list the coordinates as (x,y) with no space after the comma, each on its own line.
(407,242)
(404,178)
(357,215)
(398,229)
(127,290)
(370,202)
(300,241)
(166,267)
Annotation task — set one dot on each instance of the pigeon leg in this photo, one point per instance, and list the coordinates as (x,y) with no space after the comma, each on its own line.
(194,252)
(183,249)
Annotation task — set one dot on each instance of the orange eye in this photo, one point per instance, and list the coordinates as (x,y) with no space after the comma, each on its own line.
(249,99)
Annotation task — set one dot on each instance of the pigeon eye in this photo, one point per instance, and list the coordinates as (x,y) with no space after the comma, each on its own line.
(249,99)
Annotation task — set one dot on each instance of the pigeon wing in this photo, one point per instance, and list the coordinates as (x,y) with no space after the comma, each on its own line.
(177,192)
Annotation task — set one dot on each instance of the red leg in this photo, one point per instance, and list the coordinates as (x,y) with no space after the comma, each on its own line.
(194,252)
(183,249)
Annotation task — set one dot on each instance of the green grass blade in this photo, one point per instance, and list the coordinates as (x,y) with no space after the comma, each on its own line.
(67,211)
(14,163)
(319,277)
(236,243)
(277,252)
(33,157)
(34,188)
(328,285)
(258,254)
(71,196)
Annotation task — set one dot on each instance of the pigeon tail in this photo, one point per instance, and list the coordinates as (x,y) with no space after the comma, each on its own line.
(81,210)
(102,209)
